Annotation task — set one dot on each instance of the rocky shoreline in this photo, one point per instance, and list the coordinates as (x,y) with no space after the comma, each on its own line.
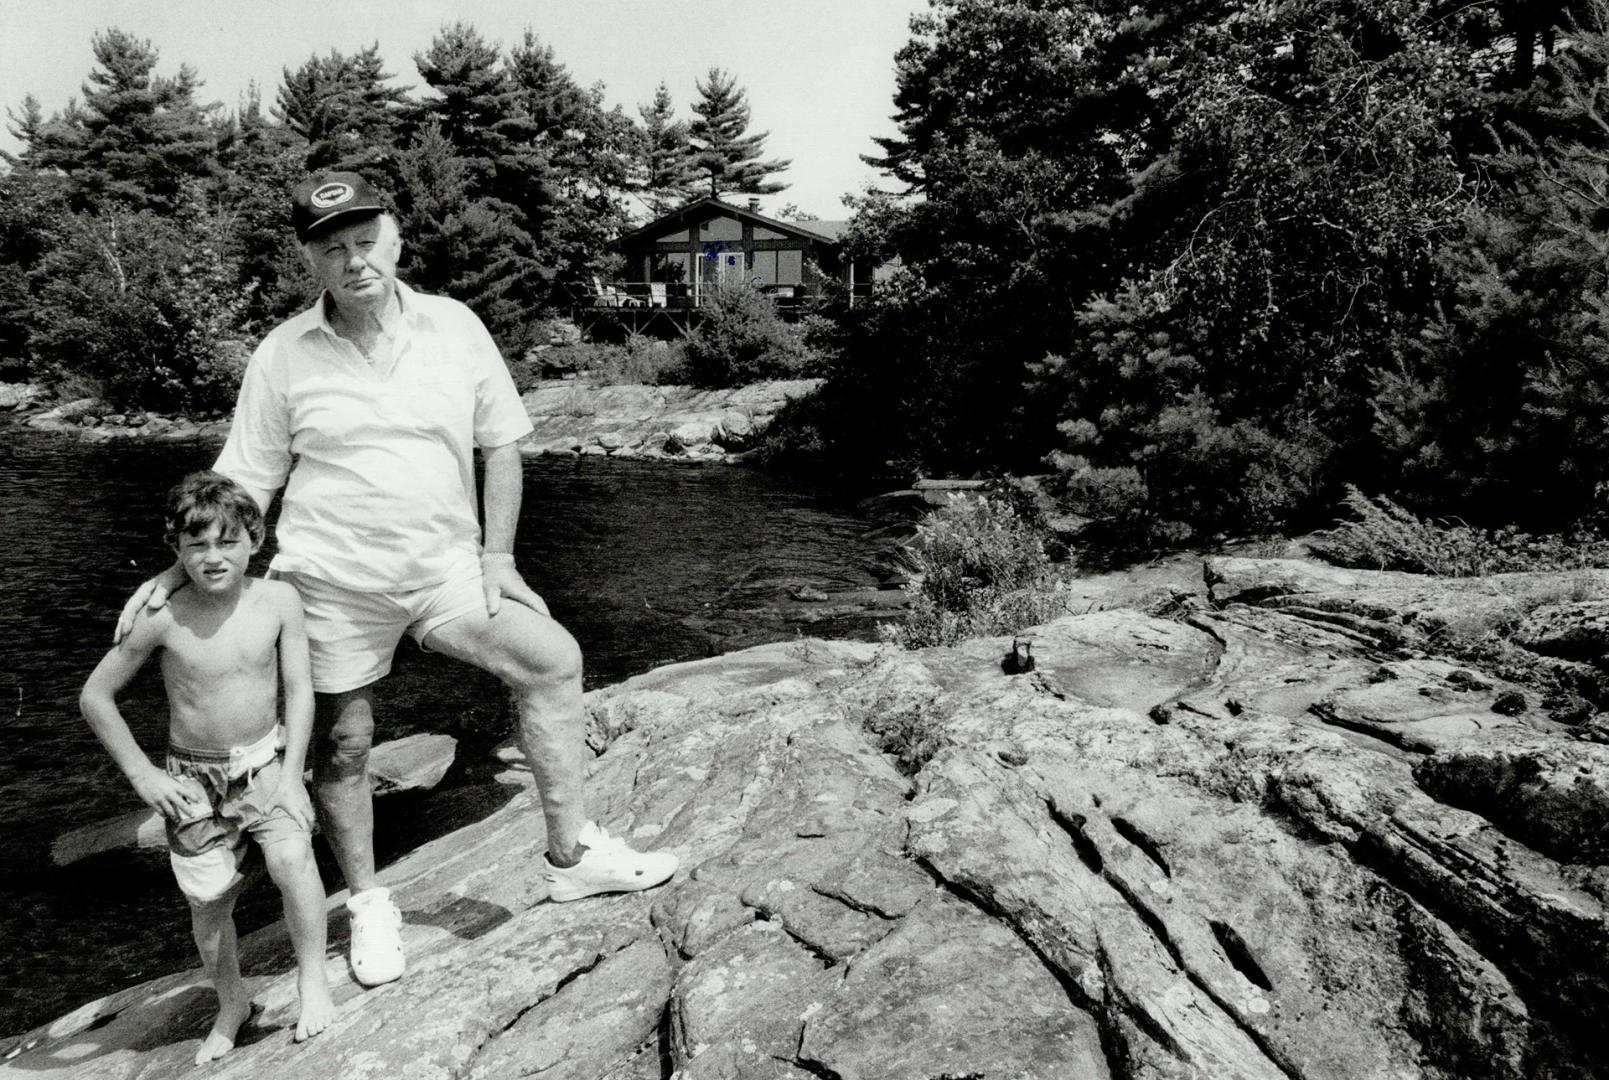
(1248,824)
(571,417)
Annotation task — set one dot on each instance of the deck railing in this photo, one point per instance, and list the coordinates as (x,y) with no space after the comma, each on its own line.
(684,296)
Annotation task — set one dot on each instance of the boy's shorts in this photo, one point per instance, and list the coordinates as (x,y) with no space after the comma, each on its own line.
(352,635)
(209,851)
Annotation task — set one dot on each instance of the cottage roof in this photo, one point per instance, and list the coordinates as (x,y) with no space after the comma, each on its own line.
(821,232)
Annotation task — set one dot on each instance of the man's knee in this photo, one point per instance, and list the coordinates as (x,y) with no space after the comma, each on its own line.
(539,662)
(562,658)
(346,734)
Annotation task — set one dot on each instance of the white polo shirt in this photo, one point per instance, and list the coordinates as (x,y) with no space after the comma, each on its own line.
(377,465)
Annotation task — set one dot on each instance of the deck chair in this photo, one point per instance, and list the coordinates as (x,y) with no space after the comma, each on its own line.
(656,294)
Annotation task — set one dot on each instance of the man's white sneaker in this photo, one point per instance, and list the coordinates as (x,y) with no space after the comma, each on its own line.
(607,865)
(376,937)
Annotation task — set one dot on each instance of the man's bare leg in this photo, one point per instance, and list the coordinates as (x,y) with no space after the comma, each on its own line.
(540,663)
(343,733)
(212,922)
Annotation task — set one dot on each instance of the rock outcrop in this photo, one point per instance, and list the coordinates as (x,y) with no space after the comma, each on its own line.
(93,420)
(572,417)
(1269,836)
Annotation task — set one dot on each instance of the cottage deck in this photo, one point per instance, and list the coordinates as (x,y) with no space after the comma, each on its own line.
(614,309)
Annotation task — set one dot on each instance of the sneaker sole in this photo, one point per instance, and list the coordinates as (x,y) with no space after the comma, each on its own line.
(372,979)
(564,896)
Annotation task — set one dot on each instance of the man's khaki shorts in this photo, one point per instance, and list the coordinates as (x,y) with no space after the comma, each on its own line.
(352,635)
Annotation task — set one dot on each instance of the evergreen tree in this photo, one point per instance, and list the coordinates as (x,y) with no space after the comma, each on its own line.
(138,139)
(464,246)
(342,109)
(1497,409)
(667,171)
(474,100)
(26,129)
(33,209)
(263,160)
(1244,210)
(727,157)
(568,173)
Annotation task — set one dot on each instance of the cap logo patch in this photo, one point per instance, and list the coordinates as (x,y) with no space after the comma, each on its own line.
(331,195)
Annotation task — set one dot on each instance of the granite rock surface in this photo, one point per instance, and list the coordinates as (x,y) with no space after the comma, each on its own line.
(1245,839)
(572,417)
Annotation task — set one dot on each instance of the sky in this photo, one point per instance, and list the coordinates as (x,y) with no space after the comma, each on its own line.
(819,73)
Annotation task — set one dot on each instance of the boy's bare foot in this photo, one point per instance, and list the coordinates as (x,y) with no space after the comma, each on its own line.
(317,1008)
(221,1039)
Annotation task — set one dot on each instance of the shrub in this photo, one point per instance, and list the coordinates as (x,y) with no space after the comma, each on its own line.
(1386,536)
(146,307)
(743,340)
(640,359)
(981,569)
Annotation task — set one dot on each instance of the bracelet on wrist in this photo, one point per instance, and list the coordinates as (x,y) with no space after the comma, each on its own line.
(498,556)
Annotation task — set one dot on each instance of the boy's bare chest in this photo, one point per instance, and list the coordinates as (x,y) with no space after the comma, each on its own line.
(212,648)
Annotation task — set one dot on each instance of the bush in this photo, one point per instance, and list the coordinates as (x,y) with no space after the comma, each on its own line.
(981,569)
(147,308)
(640,359)
(743,340)
(1385,536)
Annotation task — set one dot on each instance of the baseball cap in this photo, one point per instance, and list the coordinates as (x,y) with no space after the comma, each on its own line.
(328,199)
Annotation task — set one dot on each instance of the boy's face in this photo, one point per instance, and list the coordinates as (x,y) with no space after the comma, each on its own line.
(216,558)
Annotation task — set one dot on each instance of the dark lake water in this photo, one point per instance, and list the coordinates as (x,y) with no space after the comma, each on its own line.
(644,563)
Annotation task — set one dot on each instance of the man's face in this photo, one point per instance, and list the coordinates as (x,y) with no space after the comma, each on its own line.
(356,264)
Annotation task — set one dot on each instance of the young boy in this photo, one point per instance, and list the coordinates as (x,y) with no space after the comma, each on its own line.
(227,642)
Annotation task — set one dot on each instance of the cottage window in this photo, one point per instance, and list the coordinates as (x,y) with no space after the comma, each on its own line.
(720,228)
(790,267)
(668,266)
(765,267)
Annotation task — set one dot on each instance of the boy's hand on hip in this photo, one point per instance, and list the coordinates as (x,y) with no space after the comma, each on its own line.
(168,795)
(500,579)
(291,794)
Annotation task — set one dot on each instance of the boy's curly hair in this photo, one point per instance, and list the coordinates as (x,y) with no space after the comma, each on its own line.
(204,497)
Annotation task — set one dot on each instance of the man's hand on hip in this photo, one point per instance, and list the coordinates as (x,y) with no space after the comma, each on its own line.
(500,579)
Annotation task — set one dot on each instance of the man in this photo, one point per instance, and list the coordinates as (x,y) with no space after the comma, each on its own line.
(367,409)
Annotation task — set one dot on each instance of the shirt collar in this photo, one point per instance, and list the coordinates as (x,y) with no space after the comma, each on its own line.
(317,317)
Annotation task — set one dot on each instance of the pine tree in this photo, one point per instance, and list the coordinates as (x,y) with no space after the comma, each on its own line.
(727,158)
(474,100)
(467,247)
(262,160)
(572,167)
(32,211)
(341,106)
(138,139)
(666,169)
(25,129)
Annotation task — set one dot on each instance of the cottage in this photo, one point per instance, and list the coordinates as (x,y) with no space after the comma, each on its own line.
(671,263)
